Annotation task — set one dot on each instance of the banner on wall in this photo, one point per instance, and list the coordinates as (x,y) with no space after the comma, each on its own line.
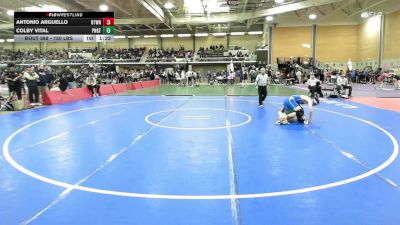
(81,54)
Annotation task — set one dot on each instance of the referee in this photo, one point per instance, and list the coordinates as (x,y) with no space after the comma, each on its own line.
(261,82)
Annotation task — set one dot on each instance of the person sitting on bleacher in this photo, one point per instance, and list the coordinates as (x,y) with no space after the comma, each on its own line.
(343,83)
(93,85)
(314,85)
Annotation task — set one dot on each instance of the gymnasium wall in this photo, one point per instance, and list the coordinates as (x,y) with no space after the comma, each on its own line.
(336,43)
(392,38)
(210,40)
(176,42)
(6,45)
(118,43)
(144,42)
(368,40)
(250,42)
(288,41)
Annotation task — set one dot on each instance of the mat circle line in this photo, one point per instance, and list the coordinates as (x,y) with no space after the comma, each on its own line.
(147,119)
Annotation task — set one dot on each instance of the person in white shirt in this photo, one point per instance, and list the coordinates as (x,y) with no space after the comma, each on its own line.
(299,76)
(92,84)
(31,79)
(343,83)
(189,76)
(262,82)
(183,78)
(278,76)
(231,77)
(177,78)
(136,76)
(314,87)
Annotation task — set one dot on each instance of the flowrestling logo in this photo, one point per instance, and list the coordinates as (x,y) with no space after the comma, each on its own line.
(340,104)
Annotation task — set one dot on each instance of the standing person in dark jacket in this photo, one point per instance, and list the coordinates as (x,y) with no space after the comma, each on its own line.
(61,82)
(44,80)
(69,75)
(153,75)
(31,81)
(50,75)
(14,81)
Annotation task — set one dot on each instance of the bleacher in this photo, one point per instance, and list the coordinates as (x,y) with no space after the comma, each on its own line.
(169,55)
(120,56)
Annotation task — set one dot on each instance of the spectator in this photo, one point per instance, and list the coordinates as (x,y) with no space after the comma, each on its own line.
(44,80)
(14,81)
(353,76)
(253,75)
(63,83)
(397,82)
(183,80)
(314,86)
(343,83)
(69,75)
(299,76)
(50,75)
(32,82)
(93,85)
(189,76)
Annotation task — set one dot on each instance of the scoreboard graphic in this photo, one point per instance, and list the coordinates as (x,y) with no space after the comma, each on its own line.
(63,26)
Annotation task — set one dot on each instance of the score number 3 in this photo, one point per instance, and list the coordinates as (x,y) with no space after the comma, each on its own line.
(108,21)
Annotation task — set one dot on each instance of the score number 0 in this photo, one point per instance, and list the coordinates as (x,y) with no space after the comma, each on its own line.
(108,25)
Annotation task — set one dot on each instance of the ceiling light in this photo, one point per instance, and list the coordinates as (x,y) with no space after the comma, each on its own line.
(237,33)
(201,35)
(312,16)
(103,7)
(149,36)
(166,35)
(364,15)
(10,12)
(255,32)
(134,36)
(184,35)
(119,37)
(219,34)
(306,45)
(201,7)
(279,1)
(2,40)
(169,5)
(269,18)
(10,40)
